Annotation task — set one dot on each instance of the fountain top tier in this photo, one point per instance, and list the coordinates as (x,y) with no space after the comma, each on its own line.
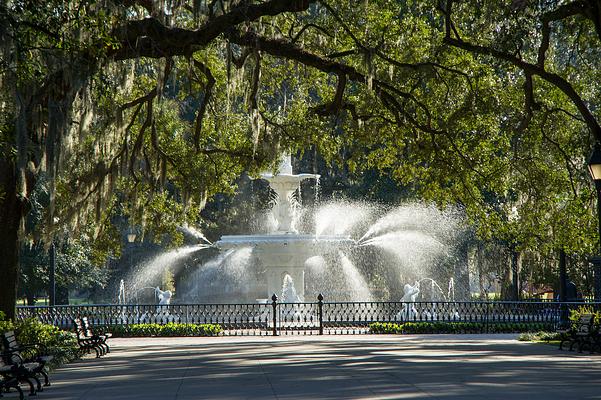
(285,173)
(285,183)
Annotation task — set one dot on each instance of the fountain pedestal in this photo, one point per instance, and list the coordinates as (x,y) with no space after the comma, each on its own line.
(285,253)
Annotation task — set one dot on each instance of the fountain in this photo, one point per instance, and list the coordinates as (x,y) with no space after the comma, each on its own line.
(284,252)
(404,244)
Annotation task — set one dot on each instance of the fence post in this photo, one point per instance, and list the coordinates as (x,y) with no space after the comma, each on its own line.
(320,312)
(274,304)
(488,305)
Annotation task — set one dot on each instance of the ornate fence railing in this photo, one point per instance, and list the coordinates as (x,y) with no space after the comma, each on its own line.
(322,317)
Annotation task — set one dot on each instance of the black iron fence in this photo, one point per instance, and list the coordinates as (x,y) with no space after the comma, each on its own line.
(324,317)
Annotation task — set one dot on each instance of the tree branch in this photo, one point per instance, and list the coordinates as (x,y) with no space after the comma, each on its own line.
(205,101)
(562,12)
(532,69)
(304,28)
(150,38)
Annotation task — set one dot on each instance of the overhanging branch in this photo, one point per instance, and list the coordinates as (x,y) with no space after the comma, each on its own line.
(150,38)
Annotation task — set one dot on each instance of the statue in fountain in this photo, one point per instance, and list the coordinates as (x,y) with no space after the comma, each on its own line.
(162,313)
(289,294)
(410,295)
(163,296)
(121,296)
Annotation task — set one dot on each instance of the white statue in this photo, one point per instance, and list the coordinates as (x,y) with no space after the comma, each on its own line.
(162,313)
(409,312)
(121,296)
(289,294)
(163,296)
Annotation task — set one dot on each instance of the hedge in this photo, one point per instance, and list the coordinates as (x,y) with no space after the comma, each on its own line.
(170,329)
(458,327)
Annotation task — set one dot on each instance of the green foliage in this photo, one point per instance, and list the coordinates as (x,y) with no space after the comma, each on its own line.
(541,336)
(170,329)
(456,327)
(75,268)
(575,315)
(43,339)
(386,327)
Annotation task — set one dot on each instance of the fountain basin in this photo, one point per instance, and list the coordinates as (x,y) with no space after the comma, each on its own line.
(285,253)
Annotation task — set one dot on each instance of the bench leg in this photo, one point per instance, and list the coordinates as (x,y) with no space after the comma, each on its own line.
(98,351)
(31,387)
(20,391)
(38,384)
(46,380)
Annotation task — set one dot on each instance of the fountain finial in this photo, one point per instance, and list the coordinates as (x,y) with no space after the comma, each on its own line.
(286,165)
(285,183)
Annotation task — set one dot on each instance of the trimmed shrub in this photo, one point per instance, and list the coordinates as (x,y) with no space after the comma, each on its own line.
(457,327)
(385,327)
(170,329)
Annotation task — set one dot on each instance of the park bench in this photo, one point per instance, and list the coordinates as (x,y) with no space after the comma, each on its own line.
(8,383)
(103,336)
(87,341)
(38,353)
(13,372)
(581,333)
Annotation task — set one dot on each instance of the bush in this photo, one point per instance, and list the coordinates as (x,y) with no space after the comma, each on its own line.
(44,338)
(577,313)
(541,336)
(457,327)
(170,329)
(385,327)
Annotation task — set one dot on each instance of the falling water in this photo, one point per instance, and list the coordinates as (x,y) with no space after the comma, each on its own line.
(435,288)
(225,274)
(451,291)
(418,217)
(121,296)
(357,285)
(415,250)
(339,218)
(148,273)
(317,190)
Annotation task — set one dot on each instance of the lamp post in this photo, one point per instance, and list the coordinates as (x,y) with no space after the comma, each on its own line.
(52,276)
(594,167)
(131,238)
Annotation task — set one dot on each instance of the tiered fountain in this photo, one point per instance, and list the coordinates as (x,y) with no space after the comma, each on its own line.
(285,251)
(407,243)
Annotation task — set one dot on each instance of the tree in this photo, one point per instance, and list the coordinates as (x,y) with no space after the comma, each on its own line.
(75,269)
(168,102)
(552,50)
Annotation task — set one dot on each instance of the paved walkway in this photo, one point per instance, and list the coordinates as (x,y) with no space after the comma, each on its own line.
(334,367)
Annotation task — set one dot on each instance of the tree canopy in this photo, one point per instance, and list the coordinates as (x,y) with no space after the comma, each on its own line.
(152,106)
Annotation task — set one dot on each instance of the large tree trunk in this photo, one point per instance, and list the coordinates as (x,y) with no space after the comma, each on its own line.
(11,212)
(511,284)
(462,274)
(516,269)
